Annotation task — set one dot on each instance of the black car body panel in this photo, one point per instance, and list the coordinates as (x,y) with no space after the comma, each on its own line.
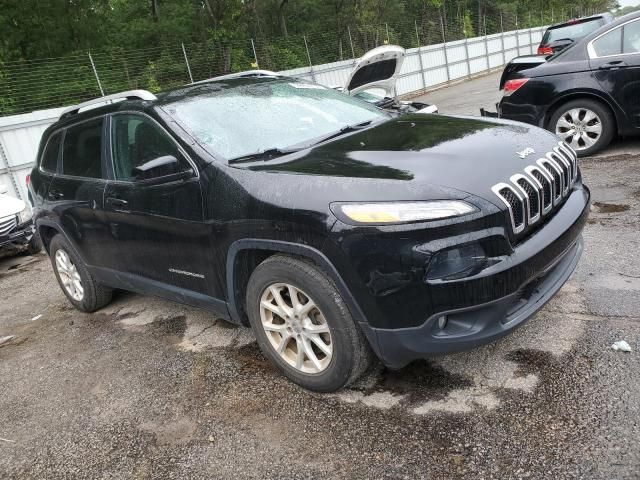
(194,239)
(574,73)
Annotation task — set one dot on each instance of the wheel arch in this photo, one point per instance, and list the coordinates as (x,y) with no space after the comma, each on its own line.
(47,230)
(255,251)
(578,95)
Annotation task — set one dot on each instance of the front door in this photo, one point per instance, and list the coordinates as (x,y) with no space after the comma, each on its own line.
(155,220)
(615,61)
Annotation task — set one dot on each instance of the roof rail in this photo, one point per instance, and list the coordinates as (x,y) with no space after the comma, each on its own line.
(246,73)
(98,102)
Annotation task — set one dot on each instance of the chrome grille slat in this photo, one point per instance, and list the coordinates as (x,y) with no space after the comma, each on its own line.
(566,168)
(556,172)
(7,224)
(546,185)
(515,205)
(532,195)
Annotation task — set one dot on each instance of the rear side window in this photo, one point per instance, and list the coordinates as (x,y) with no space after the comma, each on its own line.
(631,38)
(82,150)
(49,162)
(609,44)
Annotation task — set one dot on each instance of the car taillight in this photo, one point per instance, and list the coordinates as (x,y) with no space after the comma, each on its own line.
(27,179)
(545,50)
(512,85)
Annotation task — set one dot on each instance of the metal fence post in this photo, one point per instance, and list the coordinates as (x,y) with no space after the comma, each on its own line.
(313,75)
(517,35)
(486,43)
(466,52)
(255,55)
(530,37)
(95,72)
(444,46)
(504,54)
(353,53)
(422,72)
(186,60)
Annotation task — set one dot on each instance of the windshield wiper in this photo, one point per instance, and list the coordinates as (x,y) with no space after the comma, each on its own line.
(263,154)
(342,131)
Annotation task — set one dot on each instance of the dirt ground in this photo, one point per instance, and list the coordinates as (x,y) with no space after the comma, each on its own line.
(150,389)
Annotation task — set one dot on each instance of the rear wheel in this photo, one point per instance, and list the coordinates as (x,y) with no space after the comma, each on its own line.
(76,282)
(303,326)
(586,125)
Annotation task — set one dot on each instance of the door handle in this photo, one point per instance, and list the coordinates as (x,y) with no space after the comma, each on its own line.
(117,202)
(55,195)
(615,65)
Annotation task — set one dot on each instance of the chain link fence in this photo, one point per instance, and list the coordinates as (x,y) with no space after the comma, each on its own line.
(27,86)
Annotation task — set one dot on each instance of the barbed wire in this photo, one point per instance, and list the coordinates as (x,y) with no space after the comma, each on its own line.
(28,85)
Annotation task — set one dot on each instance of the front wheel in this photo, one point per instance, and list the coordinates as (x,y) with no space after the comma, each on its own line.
(303,326)
(586,125)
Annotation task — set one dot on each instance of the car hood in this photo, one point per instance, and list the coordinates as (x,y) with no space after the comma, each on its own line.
(10,205)
(466,154)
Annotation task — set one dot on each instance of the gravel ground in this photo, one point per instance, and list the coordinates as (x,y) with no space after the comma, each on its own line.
(150,389)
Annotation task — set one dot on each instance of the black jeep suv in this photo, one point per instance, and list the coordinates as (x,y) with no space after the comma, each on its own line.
(334,229)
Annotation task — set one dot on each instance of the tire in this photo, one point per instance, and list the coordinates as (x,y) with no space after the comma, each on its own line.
(34,246)
(93,295)
(592,121)
(350,354)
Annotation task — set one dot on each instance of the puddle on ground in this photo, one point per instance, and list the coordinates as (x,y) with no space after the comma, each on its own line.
(251,357)
(601,207)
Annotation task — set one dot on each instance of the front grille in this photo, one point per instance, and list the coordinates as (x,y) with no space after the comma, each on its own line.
(7,224)
(532,195)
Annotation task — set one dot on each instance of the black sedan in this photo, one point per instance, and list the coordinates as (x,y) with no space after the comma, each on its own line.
(587,94)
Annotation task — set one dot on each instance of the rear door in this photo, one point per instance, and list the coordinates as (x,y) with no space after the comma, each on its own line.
(76,192)
(156,223)
(615,61)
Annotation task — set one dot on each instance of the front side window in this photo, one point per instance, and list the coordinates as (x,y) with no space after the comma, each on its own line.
(49,162)
(609,44)
(242,118)
(631,38)
(82,150)
(136,141)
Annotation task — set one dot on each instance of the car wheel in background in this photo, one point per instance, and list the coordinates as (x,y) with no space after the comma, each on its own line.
(586,125)
(303,325)
(75,280)
(34,246)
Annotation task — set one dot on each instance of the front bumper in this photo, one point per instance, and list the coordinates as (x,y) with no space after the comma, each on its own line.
(532,275)
(18,237)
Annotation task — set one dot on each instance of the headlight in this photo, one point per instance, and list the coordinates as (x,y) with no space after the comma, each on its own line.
(25,215)
(399,212)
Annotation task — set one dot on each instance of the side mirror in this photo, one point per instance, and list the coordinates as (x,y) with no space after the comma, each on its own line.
(162,168)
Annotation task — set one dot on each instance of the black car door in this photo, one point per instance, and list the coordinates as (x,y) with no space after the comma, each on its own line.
(76,192)
(154,206)
(615,61)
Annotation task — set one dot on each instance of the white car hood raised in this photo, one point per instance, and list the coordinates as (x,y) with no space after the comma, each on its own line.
(10,205)
(378,68)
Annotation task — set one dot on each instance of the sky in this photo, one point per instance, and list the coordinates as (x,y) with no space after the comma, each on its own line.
(628,3)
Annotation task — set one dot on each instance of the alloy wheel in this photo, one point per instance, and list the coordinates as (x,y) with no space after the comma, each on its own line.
(69,275)
(296,328)
(579,127)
